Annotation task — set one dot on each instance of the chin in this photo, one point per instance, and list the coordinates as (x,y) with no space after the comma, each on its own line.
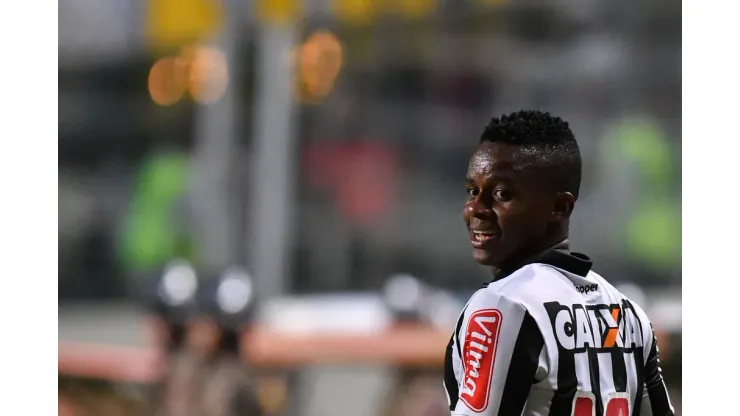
(484,257)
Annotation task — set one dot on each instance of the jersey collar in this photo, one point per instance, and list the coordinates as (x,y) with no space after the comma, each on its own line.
(558,256)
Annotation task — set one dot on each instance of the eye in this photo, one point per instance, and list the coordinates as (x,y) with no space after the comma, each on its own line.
(470,190)
(502,194)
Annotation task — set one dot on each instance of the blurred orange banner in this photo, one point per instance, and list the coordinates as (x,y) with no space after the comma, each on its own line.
(407,346)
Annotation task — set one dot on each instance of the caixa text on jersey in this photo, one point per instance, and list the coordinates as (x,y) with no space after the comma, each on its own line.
(579,328)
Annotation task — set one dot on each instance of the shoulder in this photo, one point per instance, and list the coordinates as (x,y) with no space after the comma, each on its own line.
(516,295)
(531,285)
(487,299)
(642,318)
(616,293)
(629,306)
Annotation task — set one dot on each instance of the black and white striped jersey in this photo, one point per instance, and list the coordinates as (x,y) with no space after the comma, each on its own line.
(554,338)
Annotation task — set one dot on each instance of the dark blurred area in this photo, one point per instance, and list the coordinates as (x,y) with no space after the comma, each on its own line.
(322,146)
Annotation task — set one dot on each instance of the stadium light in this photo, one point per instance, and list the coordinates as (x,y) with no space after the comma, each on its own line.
(235,291)
(404,296)
(228,297)
(172,299)
(179,283)
(410,299)
(403,293)
(441,309)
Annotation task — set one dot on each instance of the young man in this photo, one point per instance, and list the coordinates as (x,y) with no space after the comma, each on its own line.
(547,336)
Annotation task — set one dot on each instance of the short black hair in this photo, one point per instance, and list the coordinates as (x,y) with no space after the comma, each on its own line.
(547,137)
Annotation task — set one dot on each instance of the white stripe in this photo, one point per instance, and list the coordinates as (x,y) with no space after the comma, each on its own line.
(665,389)
(447,394)
(632,387)
(668,397)
(660,370)
(583,375)
(606,376)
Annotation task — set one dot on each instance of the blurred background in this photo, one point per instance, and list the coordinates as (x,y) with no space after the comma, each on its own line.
(314,151)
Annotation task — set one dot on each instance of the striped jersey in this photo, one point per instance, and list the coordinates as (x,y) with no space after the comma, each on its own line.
(554,338)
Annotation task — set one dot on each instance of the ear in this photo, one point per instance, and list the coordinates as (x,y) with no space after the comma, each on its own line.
(562,206)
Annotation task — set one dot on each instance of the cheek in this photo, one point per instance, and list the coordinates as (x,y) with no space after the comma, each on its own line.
(534,222)
(514,220)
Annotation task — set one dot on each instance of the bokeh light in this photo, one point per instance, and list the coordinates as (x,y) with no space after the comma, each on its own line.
(319,60)
(202,71)
(209,74)
(167,81)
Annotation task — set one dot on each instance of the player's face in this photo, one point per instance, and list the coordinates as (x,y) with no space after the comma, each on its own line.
(507,210)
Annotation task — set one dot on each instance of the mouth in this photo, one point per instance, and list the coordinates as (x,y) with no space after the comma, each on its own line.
(480,238)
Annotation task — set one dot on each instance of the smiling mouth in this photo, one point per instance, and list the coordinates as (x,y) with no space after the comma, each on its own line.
(480,238)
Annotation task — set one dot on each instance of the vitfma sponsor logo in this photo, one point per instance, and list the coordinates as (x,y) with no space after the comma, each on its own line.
(479,354)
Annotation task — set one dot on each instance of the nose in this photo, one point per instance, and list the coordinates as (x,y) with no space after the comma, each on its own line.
(477,209)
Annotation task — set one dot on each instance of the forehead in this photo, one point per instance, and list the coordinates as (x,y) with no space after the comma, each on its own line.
(491,159)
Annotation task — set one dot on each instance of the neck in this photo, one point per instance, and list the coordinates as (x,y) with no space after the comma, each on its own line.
(513,263)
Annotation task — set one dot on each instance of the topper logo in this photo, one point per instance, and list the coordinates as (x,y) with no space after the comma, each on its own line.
(586,289)
(479,354)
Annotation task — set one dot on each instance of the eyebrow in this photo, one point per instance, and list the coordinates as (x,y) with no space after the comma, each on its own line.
(503,177)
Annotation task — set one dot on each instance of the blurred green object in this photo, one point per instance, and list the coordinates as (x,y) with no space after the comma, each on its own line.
(653,231)
(154,229)
(643,142)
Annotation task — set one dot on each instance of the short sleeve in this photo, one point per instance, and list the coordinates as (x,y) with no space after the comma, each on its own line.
(501,346)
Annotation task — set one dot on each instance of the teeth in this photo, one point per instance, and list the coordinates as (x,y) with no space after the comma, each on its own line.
(481,236)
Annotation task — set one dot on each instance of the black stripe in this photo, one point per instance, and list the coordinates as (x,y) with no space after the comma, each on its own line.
(449,375)
(619,367)
(640,373)
(451,383)
(654,382)
(619,371)
(522,367)
(456,334)
(593,367)
(638,356)
(562,400)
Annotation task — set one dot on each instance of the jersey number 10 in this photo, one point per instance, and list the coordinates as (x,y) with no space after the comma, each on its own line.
(584,404)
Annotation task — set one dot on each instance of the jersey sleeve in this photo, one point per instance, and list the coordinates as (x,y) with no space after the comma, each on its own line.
(656,401)
(501,345)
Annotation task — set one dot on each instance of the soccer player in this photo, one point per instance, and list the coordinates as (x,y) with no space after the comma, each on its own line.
(548,335)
